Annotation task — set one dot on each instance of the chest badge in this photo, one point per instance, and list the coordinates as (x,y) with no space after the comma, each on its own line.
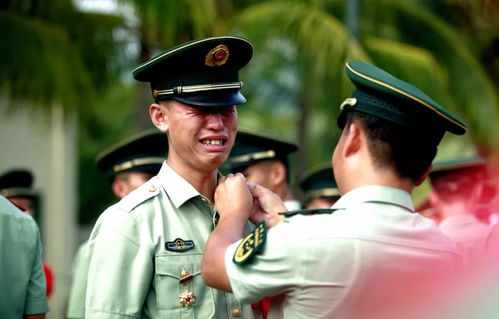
(179,245)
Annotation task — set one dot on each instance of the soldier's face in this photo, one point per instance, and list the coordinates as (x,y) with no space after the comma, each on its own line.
(200,137)
(259,173)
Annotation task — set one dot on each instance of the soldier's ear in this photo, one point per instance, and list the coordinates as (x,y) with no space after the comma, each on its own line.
(159,118)
(352,140)
(119,188)
(277,173)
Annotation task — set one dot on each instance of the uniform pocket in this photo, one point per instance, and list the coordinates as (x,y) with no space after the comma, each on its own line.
(169,271)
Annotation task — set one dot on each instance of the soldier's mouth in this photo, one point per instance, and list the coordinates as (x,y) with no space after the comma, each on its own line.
(214,142)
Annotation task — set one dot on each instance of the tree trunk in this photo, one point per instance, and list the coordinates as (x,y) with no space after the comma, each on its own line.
(144,99)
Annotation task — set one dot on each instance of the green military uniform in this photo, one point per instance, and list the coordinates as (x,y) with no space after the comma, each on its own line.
(143,152)
(146,250)
(150,241)
(22,278)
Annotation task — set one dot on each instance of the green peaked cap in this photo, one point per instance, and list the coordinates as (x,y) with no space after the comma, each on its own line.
(252,146)
(459,165)
(143,152)
(17,183)
(381,94)
(202,72)
(319,182)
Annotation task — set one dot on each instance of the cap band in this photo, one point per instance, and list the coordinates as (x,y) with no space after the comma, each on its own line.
(253,156)
(137,162)
(179,90)
(325,192)
(15,192)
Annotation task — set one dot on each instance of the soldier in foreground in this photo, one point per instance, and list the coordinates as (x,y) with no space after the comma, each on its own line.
(146,250)
(371,255)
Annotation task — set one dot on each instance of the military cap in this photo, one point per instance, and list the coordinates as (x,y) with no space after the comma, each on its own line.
(252,146)
(143,152)
(459,175)
(202,72)
(17,183)
(381,94)
(319,182)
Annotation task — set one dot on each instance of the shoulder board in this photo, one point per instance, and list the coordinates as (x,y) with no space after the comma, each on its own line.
(251,244)
(140,195)
(307,212)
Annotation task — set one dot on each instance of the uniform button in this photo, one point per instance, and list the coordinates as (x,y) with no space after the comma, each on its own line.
(184,273)
(152,188)
(236,313)
(205,200)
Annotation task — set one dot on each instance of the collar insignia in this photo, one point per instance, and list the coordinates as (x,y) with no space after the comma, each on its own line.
(308,212)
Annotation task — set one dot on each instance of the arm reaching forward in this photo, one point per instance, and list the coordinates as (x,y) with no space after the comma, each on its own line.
(236,202)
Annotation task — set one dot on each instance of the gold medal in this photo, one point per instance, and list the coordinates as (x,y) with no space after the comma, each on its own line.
(187,298)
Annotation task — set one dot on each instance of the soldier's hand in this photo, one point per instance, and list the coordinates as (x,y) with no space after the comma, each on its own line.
(266,206)
(232,196)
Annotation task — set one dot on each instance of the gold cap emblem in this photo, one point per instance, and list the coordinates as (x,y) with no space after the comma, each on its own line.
(217,56)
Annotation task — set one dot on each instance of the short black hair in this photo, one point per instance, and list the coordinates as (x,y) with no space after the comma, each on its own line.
(409,150)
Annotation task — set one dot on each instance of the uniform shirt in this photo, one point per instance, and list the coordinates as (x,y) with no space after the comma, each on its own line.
(368,257)
(469,234)
(22,280)
(76,303)
(136,266)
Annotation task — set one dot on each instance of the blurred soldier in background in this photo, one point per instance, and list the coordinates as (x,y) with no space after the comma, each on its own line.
(264,160)
(17,186)
(459,186)
(319,187)
(372,256)
(146,250)
(22,281)
(128,164)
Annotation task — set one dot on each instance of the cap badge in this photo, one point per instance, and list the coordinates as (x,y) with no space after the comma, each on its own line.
(351,101)
(217,56)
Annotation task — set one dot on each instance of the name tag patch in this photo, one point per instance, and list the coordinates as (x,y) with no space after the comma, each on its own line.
(251,245)
(179,245)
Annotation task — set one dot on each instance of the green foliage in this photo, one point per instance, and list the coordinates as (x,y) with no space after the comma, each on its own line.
(51,54)
(110,121)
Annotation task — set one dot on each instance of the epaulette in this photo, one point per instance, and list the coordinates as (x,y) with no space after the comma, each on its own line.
(140,195)
(308,212)
(251,244)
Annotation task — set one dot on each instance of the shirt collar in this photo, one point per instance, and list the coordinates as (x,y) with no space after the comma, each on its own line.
(178,189)
(380,194)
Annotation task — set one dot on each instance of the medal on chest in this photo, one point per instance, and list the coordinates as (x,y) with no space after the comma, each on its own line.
(187,297)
